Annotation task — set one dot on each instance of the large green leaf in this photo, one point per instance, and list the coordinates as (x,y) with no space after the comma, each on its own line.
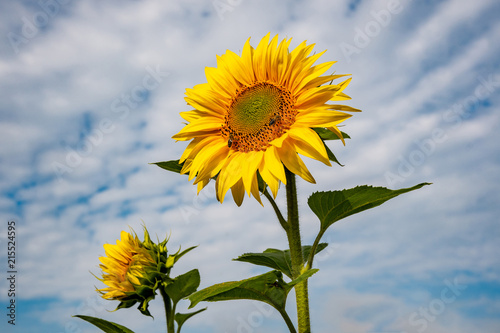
(332,206)
(269,288)
(183,285)
(181,318)
(173,165)
(106,326)
(277,259)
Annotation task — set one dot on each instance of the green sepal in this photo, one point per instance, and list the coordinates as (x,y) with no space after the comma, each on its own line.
(326,134)
(143,307)
(330,154)
(261,183)
(173,165)
(183,285)
(268,287)
(104,325)
(175,257)
(333,206)
(143,294)
(277,259)
(181,318)
(125,304)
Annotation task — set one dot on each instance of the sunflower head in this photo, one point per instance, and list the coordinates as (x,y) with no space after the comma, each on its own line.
(256,113)
(132,270)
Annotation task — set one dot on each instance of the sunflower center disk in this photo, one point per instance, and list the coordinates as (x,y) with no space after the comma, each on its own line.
(258,114)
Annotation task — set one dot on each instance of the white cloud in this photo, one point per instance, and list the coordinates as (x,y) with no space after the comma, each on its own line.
(445,20)
(95,53)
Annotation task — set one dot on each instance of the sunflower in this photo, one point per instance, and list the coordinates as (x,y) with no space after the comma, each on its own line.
(255,113)
(124,266)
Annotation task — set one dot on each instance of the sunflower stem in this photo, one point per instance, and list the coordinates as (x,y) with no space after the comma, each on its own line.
(169,311)
(293,234)
(281,219)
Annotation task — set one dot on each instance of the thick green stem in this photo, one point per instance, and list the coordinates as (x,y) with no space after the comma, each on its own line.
(293,234)
(169,311)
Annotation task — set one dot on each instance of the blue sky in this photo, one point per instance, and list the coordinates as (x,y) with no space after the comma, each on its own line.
(91,92)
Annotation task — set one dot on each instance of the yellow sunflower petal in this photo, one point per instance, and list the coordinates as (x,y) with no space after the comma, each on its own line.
(213,164)
(335,130)
(255,189)
(219,82)
(322,80)
(247,59)
(260,53)
(202,184)
(253,160)
(312,74)
(293,162)
(229,174)
(274,164)
(208,150)
(320,118)
(308,143)
(239,71)
(271,180)
(193,149)
(191,132)
(238,191)
(271,61)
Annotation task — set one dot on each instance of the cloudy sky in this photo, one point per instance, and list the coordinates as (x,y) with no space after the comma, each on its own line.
(90,93)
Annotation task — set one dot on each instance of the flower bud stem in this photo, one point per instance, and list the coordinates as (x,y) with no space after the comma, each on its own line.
(169,311)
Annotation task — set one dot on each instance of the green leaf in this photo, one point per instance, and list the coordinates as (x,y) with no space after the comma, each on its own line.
(173,165)
(183,285)
(181,318)
(326,134)
(306,275)
(331,156)
(277,259)
(268,287)
(332,206)
(106,326)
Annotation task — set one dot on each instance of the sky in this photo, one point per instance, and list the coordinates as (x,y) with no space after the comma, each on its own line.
(90,94)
